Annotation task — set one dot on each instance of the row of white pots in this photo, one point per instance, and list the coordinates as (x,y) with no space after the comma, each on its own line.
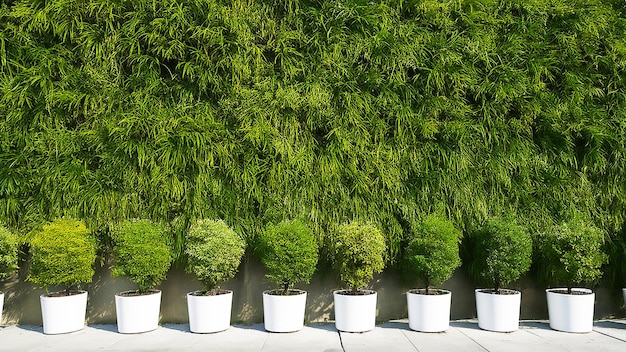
(353,313)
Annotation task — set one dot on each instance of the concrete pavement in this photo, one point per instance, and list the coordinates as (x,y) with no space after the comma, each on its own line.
(535,336)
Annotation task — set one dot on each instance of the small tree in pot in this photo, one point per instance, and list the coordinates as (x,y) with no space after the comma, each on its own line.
(214,252)
(502,253)
(8,258)
(571,253)
(289,252)
(359,250)
(431,256)
(141,252)
(63,253)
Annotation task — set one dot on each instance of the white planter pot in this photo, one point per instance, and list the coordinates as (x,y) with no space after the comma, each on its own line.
(429,313)
(63,314)
(137,314)
(355,313)
(623,294)
(1,305)
(209,314)
(498,312)
(284,313)
(571,313)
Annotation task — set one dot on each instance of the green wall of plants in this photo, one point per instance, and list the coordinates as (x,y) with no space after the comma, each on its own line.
(258,110)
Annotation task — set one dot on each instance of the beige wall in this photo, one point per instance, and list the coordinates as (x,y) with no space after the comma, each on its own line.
(21,304)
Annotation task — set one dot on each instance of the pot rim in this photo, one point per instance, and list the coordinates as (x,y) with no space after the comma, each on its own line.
(299,292)
(444,292)
(342,293)
(49,295)
(579,289)
(191,293)
(149,293)
(482,290)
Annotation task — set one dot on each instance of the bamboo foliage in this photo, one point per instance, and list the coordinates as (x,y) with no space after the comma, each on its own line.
(256,110)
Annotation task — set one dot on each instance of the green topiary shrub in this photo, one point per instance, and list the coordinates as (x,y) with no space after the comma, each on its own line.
(502,253)
(571,253)
(359,251)
(289,252)
(213,251)
(8,253)
(63,253)
(432,252)
(141,252)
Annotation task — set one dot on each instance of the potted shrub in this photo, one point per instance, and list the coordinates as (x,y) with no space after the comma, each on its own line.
(503,252)
(430,257)
(141,252)
(358,253)
(214,253)
(570,254)
(289,252)
(8,258)
(63,253)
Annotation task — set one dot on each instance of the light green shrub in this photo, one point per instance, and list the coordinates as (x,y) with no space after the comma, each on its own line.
(571,253)
(502,252)
(359,251)
(63,253)
(8,253)
(213,251)
(289,252)
(141,252)
(432,253)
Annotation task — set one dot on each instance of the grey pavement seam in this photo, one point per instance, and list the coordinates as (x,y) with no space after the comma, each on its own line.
(470,338)
(608,335)
(410,341)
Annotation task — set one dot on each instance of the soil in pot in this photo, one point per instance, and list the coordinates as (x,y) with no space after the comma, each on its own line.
(135,293)
(502,291)
(428,292)
(213,292)
(355,293)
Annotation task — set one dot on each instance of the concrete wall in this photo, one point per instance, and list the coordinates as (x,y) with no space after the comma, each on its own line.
(21,304)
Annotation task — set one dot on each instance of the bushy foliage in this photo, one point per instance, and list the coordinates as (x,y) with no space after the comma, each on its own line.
(251,111)
(141,252)
(8,253)
(63,252)
(571,253)
(289,252)
(214,252)
(358,252)
(502,253)
(432,252)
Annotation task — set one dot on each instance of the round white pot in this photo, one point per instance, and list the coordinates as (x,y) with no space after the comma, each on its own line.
(63,314)
(137,314)
(355,313)
(1,305)
(209,314)
(284,313)
(498,312)
(623,294)
(429,313)
(571,313)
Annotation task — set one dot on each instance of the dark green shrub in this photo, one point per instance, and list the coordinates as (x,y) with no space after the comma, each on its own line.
(289,252)
(502,252)
(213,251)
(8,253)
(571,253)
(432,253)
(63,253)
(359,251)
(141,251)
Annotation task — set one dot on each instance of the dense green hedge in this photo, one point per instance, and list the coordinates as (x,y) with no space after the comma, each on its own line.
(259,110)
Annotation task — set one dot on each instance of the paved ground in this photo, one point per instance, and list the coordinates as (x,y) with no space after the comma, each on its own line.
(609,335)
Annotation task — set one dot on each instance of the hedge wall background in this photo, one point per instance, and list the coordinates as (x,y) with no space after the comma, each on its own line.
(259,110)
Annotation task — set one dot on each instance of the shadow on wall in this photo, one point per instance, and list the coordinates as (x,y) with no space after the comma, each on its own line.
(22,305)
